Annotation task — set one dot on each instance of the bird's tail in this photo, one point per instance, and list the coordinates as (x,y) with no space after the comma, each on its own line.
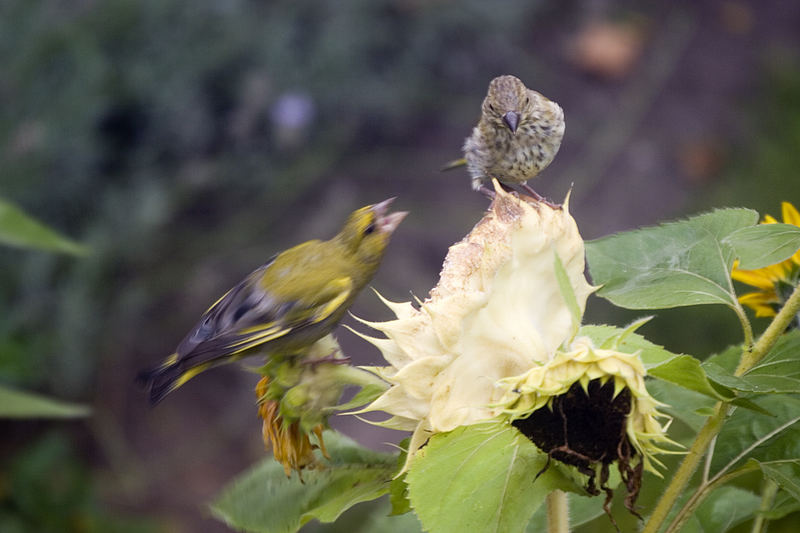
(455,163)
(167,377)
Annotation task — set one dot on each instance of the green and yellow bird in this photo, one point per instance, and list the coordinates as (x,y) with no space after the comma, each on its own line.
(284,306)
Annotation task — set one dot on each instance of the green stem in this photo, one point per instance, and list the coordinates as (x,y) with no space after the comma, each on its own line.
(767,498)
(747,329)
(557,512)
(701,493)
(693,457)
(750,357)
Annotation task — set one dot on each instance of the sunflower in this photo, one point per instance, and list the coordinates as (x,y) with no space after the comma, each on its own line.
(775,282)
(496,339)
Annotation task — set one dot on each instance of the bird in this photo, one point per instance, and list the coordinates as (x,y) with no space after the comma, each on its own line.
(284,306)
(517,136)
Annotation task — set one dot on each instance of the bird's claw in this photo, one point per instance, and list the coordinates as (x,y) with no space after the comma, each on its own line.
(538,197)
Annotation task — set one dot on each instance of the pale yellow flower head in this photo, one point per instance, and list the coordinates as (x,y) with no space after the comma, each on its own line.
(496,312)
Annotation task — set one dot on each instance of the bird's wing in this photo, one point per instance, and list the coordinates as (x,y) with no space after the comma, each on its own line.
(248,316)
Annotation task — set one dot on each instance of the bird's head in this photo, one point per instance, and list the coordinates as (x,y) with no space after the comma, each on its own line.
(507,102)
(367,231)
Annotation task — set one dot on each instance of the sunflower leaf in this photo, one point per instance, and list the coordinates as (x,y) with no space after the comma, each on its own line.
(722,510)
(671,265)
(778,372)
(786,474)
(19,229)
(608,337)
(264,500)
(481,478)
(22,404)
(773,437)
(687,372)
(764,245)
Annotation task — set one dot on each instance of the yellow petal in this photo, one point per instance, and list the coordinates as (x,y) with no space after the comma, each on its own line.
(757,278)
(760,302)
(779,271)
(790,214)
(769,219)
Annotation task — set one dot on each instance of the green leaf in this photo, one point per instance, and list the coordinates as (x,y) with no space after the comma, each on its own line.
(481,478)
(367,394)
(369,517)
(398,496)
(398,488)
(692,408)
(21,404)
(786,474)
(764,244)
(265,500)
(784,505)
(758,436)
(778,372)
(724,509)
(605,337)
(672,265)
(687,372)
(567,292)
(19,229)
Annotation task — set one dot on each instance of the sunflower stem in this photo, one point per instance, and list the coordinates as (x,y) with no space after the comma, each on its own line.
(747,329)
(557,512)
(767,498)
(700,495)
(684,473)
(713,425)
(761,348)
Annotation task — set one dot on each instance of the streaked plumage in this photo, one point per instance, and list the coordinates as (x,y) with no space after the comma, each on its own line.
(517,136)
(286,305)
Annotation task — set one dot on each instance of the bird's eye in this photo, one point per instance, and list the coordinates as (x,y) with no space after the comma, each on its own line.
(369,229)
(527,100)
(491,108)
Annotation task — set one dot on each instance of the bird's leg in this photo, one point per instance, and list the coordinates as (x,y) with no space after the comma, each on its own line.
(332,358)
(486,191)
(538,197)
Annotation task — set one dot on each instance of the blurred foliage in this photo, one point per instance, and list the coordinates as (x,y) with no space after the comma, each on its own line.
(47,490)
(765,170)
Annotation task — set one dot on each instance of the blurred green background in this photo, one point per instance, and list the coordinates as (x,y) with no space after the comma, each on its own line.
(185,142)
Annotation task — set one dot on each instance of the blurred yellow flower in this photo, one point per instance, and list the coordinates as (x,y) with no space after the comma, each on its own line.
(775,282)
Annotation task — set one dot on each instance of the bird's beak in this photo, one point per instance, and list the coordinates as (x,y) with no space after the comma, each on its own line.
(512,120)
(387,222)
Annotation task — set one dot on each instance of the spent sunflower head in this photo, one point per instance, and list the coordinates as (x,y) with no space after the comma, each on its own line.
(497,339)
(775,282)
(296,395)
(589,406)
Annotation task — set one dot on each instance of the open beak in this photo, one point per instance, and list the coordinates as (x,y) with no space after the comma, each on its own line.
(387,221)
(512,120)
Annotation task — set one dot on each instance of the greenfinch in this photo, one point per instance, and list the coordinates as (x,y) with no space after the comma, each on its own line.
(285,306)
(517,136)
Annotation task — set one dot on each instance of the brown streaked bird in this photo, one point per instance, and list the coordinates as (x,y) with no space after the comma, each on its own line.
(517,136)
